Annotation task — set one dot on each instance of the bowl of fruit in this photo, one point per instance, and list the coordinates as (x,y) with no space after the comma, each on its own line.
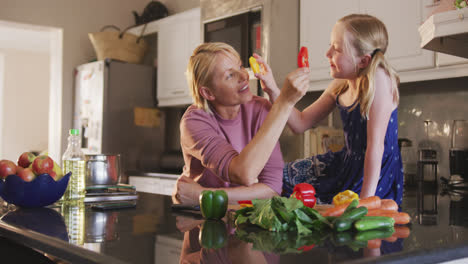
(36,181)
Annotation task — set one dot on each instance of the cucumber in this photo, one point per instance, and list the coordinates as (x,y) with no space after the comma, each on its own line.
(342,238)
(368,223)
(341,225)
(354,203)
(345,221)
(374,233)
(355,214)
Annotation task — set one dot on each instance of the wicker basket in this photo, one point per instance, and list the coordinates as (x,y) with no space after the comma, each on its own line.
(119,45)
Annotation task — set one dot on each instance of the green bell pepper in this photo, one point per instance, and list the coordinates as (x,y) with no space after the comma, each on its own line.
(213,204)
(213,234)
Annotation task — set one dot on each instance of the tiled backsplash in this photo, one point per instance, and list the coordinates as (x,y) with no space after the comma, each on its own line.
(440,101)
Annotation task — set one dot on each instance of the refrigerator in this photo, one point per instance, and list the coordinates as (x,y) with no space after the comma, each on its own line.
(108,94)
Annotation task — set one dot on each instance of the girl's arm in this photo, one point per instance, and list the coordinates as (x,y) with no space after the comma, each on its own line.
(379,115)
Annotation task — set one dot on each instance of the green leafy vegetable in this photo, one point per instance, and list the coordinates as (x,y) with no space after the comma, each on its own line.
(282,214)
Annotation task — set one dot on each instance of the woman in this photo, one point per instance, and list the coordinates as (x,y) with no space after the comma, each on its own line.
(229,137)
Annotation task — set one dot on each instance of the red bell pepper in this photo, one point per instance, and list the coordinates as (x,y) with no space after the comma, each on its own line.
(306,248)
(306,193)
(303,58)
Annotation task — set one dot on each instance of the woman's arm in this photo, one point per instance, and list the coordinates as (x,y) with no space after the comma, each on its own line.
(187,191)
(379,115)
(301,121)
(245,167)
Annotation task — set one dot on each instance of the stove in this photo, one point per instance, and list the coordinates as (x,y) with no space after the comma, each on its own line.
(120,192)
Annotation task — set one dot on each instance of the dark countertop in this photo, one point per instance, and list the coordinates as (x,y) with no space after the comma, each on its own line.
(149,234)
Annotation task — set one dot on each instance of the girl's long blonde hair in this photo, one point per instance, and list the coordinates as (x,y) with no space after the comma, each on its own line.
(200,69)
(368,36)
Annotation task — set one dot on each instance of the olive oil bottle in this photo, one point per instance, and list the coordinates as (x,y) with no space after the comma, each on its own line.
(74,161)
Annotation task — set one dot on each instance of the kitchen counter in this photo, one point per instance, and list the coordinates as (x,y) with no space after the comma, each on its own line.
(152,233)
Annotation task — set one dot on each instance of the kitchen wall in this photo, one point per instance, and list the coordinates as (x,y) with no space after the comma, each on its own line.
(440,101)
(77,19)
(24,101)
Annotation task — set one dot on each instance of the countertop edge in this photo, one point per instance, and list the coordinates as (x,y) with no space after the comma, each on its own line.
(54,246)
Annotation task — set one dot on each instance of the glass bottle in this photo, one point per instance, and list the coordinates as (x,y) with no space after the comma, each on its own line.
(74,160)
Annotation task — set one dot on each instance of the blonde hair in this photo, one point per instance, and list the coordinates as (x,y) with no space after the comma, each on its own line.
(200,69)
(368,36)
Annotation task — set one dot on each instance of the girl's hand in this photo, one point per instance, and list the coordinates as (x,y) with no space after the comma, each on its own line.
(187,191)
(267,81)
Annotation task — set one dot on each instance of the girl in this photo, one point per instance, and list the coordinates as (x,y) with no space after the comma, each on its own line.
(365,90)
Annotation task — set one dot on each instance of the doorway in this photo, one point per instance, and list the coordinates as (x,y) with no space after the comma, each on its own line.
(22,101)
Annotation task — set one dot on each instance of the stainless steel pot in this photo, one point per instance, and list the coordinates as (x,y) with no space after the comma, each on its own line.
(102,169)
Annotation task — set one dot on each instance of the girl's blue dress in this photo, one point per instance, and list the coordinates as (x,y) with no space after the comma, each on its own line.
(334,172)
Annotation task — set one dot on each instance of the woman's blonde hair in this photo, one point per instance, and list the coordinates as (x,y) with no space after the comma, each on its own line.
(368,36)
(200,69)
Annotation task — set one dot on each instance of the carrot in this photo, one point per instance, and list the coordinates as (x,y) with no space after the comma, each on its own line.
(372,202)
(402,232)
(389,204)
(374,243)
(400,218)
(381,212)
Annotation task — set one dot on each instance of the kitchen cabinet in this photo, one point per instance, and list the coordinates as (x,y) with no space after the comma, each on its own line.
(317,19)
(178,35)
(402,19)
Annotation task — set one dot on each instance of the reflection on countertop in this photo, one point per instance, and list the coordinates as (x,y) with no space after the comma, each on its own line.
(153,233)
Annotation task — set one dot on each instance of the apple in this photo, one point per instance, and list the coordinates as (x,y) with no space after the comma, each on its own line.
(42,164)
(56,172)
(27,175)
(7,167)
(26,159)
(19,169)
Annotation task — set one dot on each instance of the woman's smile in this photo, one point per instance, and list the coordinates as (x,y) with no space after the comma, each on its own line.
(244,89)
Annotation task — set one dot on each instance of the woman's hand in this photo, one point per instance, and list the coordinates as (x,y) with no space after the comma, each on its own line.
(267,81)
(187,191)
(295,86)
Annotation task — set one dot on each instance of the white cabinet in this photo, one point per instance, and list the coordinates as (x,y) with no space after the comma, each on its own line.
(402,19)
(178,36)
(446,60)
(317,19)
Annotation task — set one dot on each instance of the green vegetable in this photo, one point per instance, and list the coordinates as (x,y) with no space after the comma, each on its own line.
(351,206)
(374,233)
(213,234)
(354,214)
(341,225)
(213,204)
(281,214)
(374,222)
(342,238)
(346,220)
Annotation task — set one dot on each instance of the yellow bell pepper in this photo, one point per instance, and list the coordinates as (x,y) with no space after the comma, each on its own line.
(345,197)
(254,65)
